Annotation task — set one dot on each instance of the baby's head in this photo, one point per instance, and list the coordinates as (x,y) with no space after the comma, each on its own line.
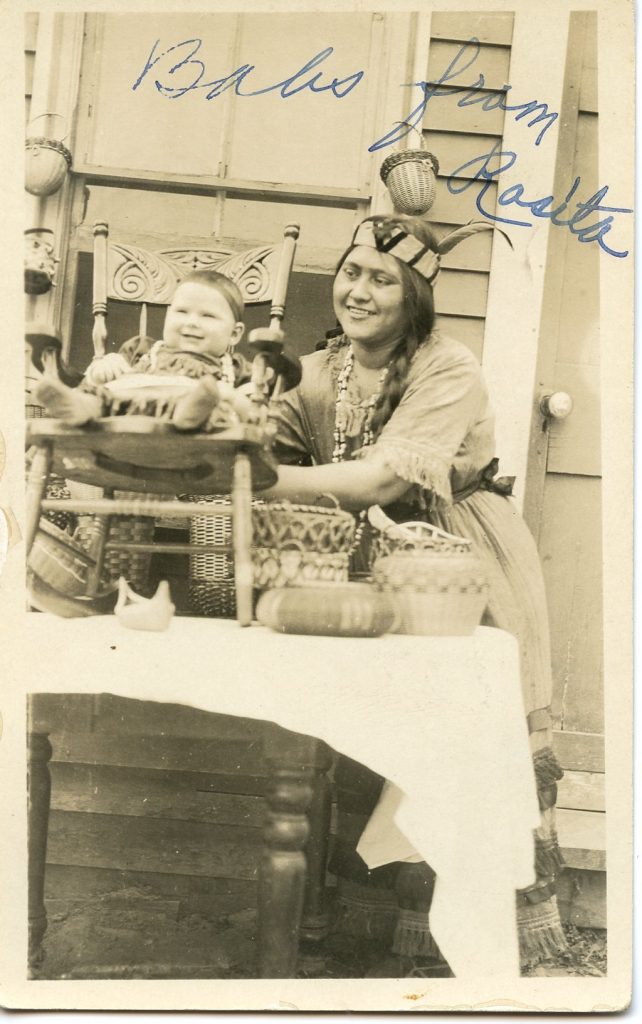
(205,315)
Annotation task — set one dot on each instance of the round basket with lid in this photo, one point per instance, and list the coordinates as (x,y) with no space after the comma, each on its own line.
(410,177)
(438,582)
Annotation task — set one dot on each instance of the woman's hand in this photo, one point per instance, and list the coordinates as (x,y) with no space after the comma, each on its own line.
(104,369)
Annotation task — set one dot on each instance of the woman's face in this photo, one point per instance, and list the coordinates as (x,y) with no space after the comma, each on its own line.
(368,297)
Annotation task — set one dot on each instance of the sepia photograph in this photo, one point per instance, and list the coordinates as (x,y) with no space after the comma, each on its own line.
(317,507)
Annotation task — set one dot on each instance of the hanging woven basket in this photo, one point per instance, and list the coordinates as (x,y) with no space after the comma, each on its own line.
(47,161)
(46,164)
(411,179)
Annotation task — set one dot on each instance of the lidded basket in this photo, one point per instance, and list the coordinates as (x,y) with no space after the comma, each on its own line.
(411,179)
(438,582)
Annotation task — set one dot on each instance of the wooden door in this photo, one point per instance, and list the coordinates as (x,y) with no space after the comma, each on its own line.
(563,501)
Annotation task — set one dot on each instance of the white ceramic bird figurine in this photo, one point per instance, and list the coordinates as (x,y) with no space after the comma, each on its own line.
(136,612)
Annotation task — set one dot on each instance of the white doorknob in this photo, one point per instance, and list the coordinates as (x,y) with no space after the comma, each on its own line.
(555,405)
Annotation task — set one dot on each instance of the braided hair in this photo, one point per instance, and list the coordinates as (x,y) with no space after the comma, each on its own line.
(420,315)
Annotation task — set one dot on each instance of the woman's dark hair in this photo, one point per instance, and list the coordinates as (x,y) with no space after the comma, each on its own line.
(228,289)
(420,314)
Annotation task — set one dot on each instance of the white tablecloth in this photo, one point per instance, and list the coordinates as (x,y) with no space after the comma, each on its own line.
(441,718)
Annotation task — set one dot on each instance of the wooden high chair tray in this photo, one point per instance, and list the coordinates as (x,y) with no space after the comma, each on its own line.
(139,453)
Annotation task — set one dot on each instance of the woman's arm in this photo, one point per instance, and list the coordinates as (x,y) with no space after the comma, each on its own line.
(356,485)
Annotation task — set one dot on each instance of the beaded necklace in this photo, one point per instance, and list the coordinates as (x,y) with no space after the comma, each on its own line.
(340,435)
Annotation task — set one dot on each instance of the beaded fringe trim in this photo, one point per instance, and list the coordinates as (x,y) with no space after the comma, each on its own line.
(412,936)
(540,931)
(366,918)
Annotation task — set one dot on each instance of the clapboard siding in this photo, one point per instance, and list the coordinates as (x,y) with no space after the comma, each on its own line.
(468,330)
(167,846)
(582,837)
(581,790)
(444,114)
(493,62)
(453,150)
(149,793)
(66,886)
(139,717)
(457,135)
(580,751)
(461,293)
(494,28)
(474,255)
(176,753)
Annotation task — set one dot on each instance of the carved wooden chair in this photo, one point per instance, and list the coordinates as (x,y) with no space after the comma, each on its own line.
(147,457)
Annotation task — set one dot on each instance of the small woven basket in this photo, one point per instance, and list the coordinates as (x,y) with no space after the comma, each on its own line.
(211,575)
(292,544)
(59,560)
(410,177)
(133,565)
(438,583)
(415,537)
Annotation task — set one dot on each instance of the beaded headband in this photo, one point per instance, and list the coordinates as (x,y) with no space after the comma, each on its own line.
(405,247)
(390,237)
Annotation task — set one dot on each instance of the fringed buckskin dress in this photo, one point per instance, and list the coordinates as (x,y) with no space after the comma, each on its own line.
(440,438)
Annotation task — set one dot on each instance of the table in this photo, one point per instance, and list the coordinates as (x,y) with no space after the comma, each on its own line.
(440,717)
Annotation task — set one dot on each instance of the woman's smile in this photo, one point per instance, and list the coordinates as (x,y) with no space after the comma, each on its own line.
(368,297)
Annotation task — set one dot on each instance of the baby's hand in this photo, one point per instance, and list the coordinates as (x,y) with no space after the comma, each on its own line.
(106,368)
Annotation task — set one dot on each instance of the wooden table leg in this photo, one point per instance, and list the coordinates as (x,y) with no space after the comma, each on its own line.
(39,750)
(315,920)
(283,865)
(36,486)
(242,536)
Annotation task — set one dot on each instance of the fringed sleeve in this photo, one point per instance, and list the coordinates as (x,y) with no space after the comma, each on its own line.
(442,421)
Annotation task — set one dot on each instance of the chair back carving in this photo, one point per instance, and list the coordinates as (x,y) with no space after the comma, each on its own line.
(129,273)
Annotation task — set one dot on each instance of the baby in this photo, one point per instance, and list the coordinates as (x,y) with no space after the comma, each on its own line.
(188,377)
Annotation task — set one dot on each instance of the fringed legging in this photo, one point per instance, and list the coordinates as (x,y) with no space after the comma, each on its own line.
(391,904)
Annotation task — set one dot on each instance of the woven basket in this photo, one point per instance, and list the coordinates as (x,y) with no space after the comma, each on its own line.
(211,576)
(295,544)
(60,561)
(292,544)
(410,177)
(133,565)
(57,488)
(415,537)
(438,593)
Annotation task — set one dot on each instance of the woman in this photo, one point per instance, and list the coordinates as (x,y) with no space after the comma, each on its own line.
(393,413)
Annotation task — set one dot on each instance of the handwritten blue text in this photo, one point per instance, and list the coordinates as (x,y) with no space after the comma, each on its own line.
(190,65)
(493,100)
(488,167)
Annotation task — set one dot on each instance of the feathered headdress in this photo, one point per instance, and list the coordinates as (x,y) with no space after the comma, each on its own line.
(391,235)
